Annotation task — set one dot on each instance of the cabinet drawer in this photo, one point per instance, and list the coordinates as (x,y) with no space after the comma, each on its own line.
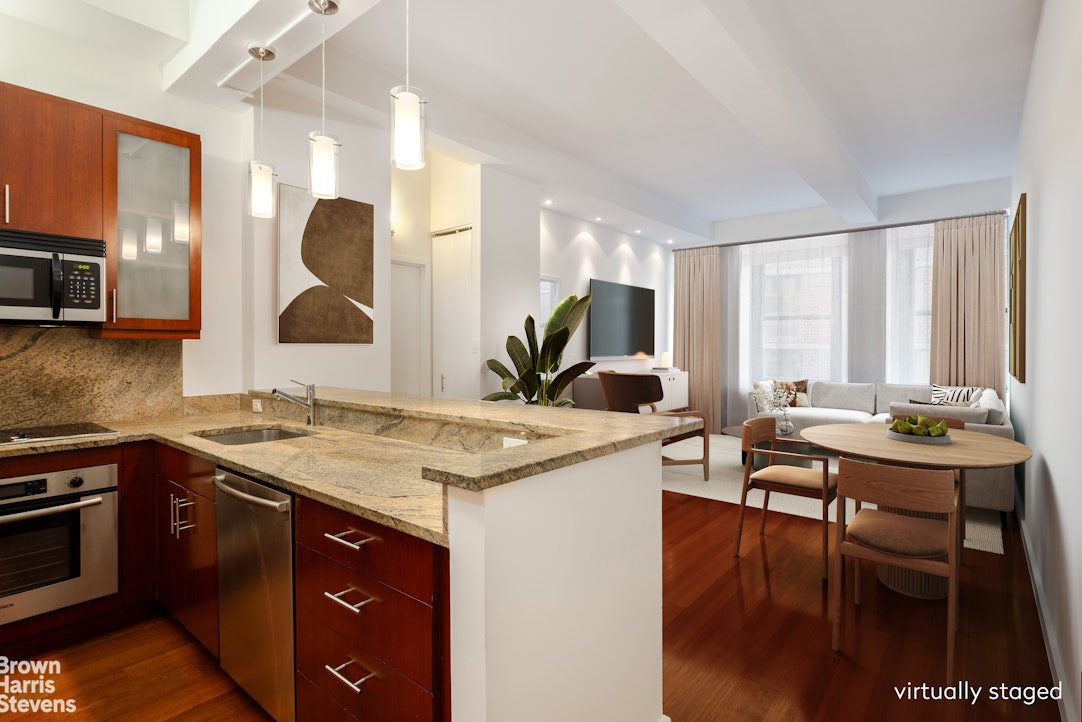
(391,625)
(405,562)
(314,706)
(386,695)
(191,472)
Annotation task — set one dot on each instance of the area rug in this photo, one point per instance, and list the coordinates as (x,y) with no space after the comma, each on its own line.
(983,531)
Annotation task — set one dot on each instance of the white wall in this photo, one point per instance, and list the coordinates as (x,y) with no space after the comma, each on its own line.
(58,65)
(510,265)
(575,251)
(364,175)
(1049,171)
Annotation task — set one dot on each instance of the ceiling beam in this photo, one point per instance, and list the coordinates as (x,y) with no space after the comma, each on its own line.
(725,49)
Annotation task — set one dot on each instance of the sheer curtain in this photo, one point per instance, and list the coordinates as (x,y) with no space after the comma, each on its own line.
(697,291)
(843,307)
(968,318)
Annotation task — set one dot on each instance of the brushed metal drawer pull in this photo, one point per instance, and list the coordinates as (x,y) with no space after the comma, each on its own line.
(355,686)
(354,546)
(355,608)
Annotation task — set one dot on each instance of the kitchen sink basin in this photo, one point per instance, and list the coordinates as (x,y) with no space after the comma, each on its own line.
(249,436)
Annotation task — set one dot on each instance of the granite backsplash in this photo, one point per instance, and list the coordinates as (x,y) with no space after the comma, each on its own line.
(61,375)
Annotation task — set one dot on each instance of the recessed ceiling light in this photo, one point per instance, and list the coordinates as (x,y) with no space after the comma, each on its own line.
(548,201)
(597,218)
(638,230)
(669,241)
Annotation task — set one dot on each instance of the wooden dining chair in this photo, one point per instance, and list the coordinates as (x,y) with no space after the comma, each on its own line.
(925,545)
(760,440)
(631,392)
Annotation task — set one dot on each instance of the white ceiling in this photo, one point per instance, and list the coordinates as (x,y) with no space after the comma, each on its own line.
(664,116)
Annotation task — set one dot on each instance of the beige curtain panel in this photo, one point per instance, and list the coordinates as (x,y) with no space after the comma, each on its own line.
(697,327)
(968,318)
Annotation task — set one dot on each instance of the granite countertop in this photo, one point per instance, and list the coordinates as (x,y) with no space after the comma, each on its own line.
(389,457)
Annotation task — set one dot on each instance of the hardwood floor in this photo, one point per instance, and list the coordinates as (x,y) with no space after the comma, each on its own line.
(750,638)
(145,670)
(744,639)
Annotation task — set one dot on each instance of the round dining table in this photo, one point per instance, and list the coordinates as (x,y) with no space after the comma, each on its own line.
(966,450)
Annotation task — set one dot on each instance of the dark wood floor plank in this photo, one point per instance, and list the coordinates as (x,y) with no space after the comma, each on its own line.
(750,638)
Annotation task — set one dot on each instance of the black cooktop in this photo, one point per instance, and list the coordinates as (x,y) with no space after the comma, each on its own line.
(51,433)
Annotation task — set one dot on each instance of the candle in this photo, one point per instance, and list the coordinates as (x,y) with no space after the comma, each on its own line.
(664,359)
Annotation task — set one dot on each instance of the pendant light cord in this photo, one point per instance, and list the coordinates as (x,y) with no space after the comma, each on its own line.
(262,53)
(408,46)
(323,44)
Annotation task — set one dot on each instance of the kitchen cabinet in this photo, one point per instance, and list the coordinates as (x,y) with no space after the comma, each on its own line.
(186,550)
(152,229)
(371,605)
(136,497)
(51,164)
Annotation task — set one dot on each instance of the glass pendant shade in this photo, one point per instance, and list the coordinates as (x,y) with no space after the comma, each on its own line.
(262,195)
(407,128)
(322,165)
(181,224)
(129,244)
(153,241)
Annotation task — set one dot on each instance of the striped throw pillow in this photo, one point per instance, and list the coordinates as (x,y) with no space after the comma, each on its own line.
(953,395)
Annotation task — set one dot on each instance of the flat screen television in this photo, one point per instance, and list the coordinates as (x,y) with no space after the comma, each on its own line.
(620,321)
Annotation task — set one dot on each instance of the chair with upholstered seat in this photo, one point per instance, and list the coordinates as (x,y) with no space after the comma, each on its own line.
(927,545)
(629,393)
(760,440)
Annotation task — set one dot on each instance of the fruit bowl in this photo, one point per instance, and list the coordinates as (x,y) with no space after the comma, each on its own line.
(914,439)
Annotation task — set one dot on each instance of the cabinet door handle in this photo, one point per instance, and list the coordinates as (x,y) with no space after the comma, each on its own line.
(114,305)
(7,205)
(183,525)
(338,538)
(355,608)
(173,523)
(355,686)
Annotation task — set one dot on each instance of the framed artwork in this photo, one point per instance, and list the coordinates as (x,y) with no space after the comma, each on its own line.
(1017,290)
(325,269)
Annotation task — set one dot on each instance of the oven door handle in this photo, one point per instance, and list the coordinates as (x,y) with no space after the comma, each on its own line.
(50,510)
(56,285)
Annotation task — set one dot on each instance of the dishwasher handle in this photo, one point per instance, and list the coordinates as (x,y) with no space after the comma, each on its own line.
(219,481)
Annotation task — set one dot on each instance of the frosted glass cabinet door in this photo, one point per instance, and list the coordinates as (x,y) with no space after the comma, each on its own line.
(153,231)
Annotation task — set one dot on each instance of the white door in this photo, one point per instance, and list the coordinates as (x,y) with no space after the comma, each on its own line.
(456,371)
(411,341)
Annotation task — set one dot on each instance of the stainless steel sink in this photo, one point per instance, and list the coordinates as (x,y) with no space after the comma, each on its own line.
(249,436)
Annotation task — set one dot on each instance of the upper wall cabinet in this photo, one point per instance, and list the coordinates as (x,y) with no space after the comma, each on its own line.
(50,164)
(152,227)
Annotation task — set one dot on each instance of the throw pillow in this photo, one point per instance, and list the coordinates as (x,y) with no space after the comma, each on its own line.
(960,395)
(767,387)
(798,388)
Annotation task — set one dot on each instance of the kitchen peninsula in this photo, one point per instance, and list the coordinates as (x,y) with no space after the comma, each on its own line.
(551,519)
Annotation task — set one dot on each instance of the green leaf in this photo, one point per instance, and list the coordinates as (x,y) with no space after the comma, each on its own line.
(499,369)
(501,396)
(531,340)
(552,350)
(565,377)
(520,357)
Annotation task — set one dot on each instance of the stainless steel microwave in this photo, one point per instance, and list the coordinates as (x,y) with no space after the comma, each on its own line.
(51,279)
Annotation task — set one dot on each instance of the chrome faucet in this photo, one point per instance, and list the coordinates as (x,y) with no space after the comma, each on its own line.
(309,403)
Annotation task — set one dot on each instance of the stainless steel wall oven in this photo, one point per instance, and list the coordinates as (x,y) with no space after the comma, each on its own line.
(58,540)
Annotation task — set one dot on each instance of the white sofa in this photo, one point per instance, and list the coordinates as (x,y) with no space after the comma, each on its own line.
(834,402)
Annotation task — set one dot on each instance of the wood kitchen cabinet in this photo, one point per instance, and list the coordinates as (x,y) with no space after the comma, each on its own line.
(152,229)
(50,164)
(371,620)
(186,547)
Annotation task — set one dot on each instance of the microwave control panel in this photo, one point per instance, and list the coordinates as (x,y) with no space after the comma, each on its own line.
(81,280)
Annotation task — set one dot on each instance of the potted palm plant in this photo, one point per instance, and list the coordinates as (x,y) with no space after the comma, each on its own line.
(537,378)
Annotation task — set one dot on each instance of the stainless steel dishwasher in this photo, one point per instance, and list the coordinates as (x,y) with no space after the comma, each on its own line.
(255,590)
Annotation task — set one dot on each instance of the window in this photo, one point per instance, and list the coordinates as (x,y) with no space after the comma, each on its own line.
(909,303)
(797,303)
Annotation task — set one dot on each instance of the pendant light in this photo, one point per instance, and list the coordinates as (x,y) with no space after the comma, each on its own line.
(407,118)
(323,148)
(261,202)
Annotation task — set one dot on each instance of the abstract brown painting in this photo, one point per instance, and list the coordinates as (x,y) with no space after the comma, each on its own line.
(325,269)
(1017,301)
